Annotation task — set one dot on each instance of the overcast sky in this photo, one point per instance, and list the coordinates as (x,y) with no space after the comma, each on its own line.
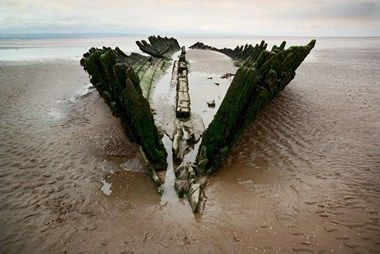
(193,17)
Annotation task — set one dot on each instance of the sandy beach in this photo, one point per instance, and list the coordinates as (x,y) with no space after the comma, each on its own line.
(304,178)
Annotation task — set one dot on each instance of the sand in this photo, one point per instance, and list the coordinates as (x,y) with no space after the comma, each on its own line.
(304,178)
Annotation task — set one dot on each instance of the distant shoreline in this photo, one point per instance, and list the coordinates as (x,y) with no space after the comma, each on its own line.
(32,36)
(64,35)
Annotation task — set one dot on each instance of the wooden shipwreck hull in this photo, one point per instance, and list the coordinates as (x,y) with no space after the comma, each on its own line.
(125,82)
(261,77)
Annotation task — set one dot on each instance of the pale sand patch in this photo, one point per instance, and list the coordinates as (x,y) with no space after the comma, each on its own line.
(208,61)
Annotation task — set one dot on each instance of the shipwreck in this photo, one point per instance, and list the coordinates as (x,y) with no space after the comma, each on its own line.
(126,83)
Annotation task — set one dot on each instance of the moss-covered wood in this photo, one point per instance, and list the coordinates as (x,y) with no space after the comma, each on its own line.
(116,81)
(255,83)
(160,47)
(240,53)
(148,68)
(182,96)
(119,77)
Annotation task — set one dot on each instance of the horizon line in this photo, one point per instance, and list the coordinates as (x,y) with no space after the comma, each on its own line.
(62,35)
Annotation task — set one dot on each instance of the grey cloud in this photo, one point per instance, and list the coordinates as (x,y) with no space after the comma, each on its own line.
(338,10)
(349,10)
(271,17)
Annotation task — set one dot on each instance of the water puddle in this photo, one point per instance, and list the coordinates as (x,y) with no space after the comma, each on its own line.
(106,188)
(170,194)
(191,156)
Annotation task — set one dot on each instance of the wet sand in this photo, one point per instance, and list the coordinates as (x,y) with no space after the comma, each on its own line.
(304,178)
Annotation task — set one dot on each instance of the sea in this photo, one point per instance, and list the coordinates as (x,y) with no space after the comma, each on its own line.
(303,178)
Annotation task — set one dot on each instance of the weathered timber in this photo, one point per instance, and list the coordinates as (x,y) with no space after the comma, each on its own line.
(190,183)
(116,81)
(254,84)
(119,77)
(240,53)
(160,47)
(182,97)
(184,134)
(147,68)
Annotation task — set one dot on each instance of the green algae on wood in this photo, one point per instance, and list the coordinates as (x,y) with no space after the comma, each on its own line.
(240,53)
(148,68)
(160,47)
(117,82)
(182,96)
(254,84)
(160,50)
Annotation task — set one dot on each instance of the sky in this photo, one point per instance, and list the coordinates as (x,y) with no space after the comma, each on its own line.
(193,17)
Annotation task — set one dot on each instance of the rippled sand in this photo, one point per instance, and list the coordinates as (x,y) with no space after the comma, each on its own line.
(304,178)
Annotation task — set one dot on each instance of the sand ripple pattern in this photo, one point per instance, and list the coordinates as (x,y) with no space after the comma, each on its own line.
(314,155)
(56,138)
